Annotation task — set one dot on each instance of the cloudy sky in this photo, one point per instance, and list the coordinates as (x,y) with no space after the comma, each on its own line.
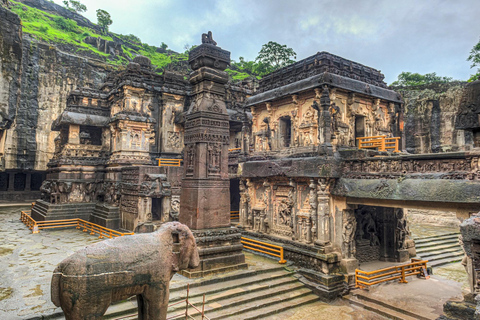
(391,35)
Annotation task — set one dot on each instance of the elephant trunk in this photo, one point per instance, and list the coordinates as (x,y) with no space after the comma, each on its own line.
(55,286)
(194,259)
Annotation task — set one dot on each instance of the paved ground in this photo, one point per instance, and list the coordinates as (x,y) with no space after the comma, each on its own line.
(27,261)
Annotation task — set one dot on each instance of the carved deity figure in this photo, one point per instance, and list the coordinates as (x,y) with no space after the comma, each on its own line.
(349,228)
(335,112)
(285,209)
(402,232)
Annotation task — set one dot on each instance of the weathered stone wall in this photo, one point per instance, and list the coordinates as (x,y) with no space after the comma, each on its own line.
(439,218)
(10,68)
(35,79)
(429,120)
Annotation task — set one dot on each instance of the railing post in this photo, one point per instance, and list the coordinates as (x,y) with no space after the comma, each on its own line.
(382,144)
(402,280)
(186,308)
(282,260)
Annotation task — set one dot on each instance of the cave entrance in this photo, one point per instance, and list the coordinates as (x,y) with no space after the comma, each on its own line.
(381,234)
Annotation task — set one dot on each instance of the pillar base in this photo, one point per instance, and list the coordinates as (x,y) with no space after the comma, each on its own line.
(220,251)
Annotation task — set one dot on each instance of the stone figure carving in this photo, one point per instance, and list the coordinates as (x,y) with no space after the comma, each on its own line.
(335,112)
(87,282)
(208,38)
(349,228)
(285,209)
(402,232)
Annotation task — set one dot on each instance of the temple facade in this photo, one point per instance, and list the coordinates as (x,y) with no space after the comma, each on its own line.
(306,121)
(105,167)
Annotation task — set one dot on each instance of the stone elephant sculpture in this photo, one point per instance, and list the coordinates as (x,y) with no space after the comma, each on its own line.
(86,283)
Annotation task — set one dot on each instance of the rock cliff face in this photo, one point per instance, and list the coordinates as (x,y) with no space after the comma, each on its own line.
(35,79)
(429,118)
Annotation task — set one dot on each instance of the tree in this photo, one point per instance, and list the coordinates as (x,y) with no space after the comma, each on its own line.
(408,79)
(104,19)
(474,58)
(75,6)
(274,56)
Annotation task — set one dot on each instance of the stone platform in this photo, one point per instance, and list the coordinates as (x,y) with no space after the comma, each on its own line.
(48,211)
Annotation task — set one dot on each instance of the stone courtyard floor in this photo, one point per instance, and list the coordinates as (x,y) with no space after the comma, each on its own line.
(27,261)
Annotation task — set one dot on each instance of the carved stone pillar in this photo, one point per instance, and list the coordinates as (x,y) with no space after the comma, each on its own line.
(323,213)
(312,198)
(28,181)
(293,220)
(11,181)
(205,195)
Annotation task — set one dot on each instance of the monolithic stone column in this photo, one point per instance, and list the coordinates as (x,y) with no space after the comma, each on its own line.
(11,181)
(205,197)
(323,213)
(28,182)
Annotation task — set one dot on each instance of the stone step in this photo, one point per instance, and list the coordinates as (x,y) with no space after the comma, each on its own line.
(427,254)
(445,261)
(382,309)
(262,305)
(209,287)
(242,274)
(363,297)
(276,309)
(437,243)
(434,257)
(437,248)
(238,290)
(232,303)
(437,237)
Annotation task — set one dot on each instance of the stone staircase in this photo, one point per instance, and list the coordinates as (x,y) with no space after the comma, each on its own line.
(356,297)
(439,249)
(243,295)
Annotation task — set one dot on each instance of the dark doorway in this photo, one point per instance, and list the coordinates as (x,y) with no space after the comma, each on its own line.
(234,194)
(285,131)
(381,234)
(359,128)
(37,179)
(20,181)
(156,209)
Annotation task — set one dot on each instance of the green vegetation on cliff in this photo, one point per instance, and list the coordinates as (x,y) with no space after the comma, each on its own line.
(55,29)
(116,49)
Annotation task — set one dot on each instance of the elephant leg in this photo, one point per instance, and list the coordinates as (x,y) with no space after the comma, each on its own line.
(92,307)
(157,303)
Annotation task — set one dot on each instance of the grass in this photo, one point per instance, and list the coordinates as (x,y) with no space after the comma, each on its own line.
(55,29)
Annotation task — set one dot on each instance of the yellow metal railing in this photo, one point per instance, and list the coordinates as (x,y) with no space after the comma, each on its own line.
(264,247)
(169,162)
(234,149)
(234,215)
(416,267)
(86,226)
(381,142)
